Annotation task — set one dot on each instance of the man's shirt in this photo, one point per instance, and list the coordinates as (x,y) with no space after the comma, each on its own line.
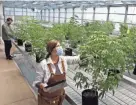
(6,32)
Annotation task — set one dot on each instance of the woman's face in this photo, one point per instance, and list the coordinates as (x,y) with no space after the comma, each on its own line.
(54,51)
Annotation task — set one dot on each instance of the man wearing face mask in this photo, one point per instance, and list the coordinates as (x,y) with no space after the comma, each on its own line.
(7,33)
(54,69)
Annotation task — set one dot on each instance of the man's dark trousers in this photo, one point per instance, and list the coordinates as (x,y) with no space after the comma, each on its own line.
(8,46)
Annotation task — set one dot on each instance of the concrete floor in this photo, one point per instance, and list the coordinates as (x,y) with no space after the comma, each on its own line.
(14,90)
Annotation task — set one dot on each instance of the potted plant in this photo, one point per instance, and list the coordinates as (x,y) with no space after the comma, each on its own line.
(39,54)
(37,37)
(33,33)
(28,46)
(75,32)
(132,36)
(21,28)
(99,55)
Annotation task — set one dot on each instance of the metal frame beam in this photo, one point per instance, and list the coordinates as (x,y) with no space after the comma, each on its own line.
(93,13)
(65,4)
(4,13)
(53,15)
(108,8)
(59,15)
(22,12)
(41,13)
(73,11)
(45,14)
(82,16)
(65,15)
(126,12)
(48,15)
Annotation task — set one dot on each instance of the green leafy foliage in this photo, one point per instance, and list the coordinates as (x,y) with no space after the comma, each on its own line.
(106,27)
(102,56)
(132,36)
(21,29)
(31,31)
(57,32)
(81,80)
(123,29)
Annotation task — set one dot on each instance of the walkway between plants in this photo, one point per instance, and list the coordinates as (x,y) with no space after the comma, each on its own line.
(14,90)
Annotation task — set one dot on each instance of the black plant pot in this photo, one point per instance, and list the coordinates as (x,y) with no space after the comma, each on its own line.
(89,97)
(134,72)
(19,42)
(28,47)
(113,72)
(68,52)
(39,58)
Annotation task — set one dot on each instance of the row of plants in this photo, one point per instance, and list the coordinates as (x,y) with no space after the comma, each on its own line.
(103,57)
(106,58)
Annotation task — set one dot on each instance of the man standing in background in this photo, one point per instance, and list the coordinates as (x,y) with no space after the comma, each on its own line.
(7,33)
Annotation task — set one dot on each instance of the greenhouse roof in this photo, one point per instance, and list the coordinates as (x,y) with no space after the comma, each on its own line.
(55,4)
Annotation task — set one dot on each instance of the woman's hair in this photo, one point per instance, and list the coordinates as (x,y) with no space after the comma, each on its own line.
(50,46)
(9,19)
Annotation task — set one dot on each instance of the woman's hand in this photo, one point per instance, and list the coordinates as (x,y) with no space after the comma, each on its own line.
(41,85)
(43,88)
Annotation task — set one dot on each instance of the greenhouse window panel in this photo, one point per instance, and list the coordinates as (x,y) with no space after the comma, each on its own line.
(129,2)
(65,4)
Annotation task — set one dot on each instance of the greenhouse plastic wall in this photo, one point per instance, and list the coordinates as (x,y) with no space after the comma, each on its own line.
(115,14)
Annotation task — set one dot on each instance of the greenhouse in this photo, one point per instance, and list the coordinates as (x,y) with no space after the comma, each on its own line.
(75,52)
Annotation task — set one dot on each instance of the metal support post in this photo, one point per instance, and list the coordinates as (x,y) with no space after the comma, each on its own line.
(126,12)
(73,11)
(59,16)
(26,12)
(65,15)
(48,15)
(93,13)
(82,17)
(53,15)
(14,12)
(108,14)
(22,12)
(41,14)
(45,14)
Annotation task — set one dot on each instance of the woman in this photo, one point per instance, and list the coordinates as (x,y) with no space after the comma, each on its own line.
(54,69)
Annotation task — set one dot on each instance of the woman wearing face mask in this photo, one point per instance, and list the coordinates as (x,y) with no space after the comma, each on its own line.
(54,69)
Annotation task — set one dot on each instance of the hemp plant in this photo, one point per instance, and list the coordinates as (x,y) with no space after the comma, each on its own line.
(104,59)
